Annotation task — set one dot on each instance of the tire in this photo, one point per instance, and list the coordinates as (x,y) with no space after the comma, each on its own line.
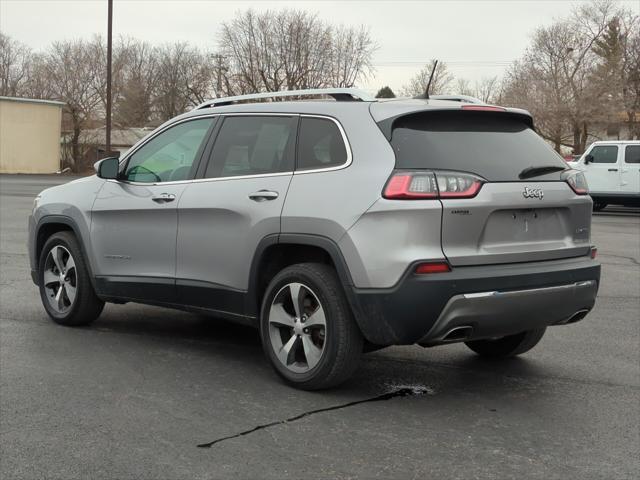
(597,206)
(77,304)
(509,346)
(319,355)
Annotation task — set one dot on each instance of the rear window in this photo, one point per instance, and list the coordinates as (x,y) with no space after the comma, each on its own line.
(495,146)
(320,144)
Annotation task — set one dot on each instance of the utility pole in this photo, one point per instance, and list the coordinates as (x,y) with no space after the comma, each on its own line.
(220,68)
(109,41)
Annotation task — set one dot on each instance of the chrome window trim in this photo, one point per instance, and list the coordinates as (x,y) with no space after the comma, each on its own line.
(145,140)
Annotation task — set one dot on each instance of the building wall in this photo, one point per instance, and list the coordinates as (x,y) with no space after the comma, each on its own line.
(29,136)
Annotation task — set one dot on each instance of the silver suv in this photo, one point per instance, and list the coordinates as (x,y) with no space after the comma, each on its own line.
(336,227)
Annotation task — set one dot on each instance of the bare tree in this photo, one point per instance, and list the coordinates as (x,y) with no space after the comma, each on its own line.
(288,50)
(556,77)
(184,79)
(631,86)
(69,68)
(487,89)
(463,87)
(441,83)
(618,70)
(14,66)
(140,73)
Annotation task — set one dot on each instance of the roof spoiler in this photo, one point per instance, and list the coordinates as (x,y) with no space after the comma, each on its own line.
(387,124)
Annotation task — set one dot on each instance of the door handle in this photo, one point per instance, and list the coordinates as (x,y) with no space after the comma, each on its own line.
(164,198)
(612,170)
(262,195)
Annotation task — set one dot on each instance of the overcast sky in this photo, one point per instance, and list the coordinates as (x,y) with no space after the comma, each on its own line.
(477,38)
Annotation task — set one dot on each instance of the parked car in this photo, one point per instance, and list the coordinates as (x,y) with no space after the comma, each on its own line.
(335,227)
(612,170)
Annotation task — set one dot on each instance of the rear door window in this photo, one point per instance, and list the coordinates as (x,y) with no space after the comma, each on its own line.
(604,154)
(495,146)
(253,145)
(320,144)
(632,154)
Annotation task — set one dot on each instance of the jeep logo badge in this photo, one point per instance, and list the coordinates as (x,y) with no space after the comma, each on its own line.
(533,193)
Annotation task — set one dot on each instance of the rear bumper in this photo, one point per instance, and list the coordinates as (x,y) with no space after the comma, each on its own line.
(488,301)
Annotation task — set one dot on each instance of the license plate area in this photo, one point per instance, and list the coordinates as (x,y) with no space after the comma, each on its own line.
(526,226)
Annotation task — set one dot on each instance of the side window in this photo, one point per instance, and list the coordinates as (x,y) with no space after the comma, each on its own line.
(256,145)
(320,144)
(632,154)
(604,154)
(168,156)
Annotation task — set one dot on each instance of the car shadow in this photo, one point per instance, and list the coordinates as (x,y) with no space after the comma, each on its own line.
(427,370)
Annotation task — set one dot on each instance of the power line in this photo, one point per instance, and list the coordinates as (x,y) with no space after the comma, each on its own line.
(470,63)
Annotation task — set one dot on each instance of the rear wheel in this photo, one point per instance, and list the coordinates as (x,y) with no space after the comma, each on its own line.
(509,346)
(307,328)
(65,286)
(597,206)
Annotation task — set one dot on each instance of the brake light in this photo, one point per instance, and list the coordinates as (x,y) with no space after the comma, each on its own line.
(484,108)
(420,185)
(432,267)
(411,185)
(577,181)
(594,252)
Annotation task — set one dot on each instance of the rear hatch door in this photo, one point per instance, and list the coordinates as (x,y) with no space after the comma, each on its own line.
(525,211)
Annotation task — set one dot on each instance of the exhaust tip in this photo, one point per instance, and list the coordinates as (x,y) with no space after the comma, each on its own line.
(458,334)
(576,317)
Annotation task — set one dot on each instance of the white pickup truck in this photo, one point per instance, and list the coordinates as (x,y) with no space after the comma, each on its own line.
(612,169)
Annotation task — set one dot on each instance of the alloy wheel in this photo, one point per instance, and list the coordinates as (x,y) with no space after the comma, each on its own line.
(297,327)
(60,279)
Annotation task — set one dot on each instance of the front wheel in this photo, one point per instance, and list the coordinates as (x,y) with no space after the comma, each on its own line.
(509,346)
(65,286)
(308,331)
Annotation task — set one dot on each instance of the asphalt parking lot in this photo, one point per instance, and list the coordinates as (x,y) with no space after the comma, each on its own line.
(135,394)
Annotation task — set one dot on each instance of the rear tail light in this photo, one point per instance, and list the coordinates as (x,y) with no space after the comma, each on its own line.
(432,267)
(577,181)
(594,252)
(420,185)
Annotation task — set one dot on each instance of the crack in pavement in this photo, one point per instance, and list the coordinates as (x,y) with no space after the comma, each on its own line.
(632,259)
(403,391)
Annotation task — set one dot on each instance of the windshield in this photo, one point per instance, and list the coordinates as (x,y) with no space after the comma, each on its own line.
(492,145)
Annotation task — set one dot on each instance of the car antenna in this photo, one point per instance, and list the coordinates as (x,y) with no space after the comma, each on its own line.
(433,71)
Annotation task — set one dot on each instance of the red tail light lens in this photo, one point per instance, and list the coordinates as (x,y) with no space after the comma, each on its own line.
(404,185)
(432,267)
(594,252)
(411,185)
(577,181)
(484,108)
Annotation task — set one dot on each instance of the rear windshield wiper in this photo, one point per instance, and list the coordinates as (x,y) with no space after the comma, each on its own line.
(537,171)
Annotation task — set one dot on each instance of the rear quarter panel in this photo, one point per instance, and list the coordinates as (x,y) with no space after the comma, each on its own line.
(328,203)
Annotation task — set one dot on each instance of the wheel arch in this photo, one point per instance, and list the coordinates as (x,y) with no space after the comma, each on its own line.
(276,252)
(52,224)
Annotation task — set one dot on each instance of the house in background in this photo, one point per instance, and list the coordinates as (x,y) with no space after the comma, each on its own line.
(29,135)
(92,144)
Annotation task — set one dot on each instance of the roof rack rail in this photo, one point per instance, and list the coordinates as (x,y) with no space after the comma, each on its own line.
(458,98)
(339,94)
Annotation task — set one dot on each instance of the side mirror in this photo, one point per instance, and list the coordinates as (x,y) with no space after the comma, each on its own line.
(588,159)
(107,168)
